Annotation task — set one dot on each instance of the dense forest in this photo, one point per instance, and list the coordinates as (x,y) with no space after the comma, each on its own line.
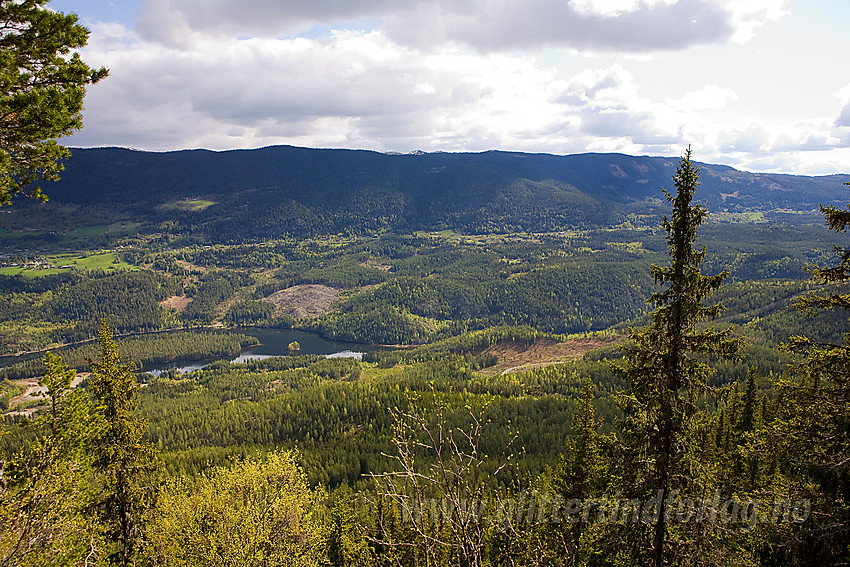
(557,363)
(408,289)
(275,192)
(706,426)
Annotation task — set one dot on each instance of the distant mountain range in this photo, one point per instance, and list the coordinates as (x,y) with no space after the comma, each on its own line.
(298,191)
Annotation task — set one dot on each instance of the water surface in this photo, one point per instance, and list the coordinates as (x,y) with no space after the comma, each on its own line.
(275,342)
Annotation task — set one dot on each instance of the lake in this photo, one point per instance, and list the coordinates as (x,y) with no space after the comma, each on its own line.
(275,342)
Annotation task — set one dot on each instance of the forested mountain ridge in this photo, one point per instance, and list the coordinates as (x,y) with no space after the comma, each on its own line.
(586,384)
(757,425)
(282,190)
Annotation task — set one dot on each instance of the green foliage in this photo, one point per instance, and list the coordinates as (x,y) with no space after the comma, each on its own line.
(283,191)
(457,472)
(582,473)
(249,313)
(345,537)
(211,293)
(64,309)
(344,271)
(380,324)
(814,419)
(43,518)
(335,411)
(42,84)
(414,290)
(468,298)
(8,390)
(125,462)
(45,491)
(665,378)
(130,299)
(258,512)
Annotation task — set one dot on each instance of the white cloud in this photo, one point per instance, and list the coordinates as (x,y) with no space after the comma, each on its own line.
(751,15)
(843,119)
(612,8)
(179,23)
(602,87)
(710,96)
(364,90)
(488,25)
(451,76)
(356,87)
(755,144)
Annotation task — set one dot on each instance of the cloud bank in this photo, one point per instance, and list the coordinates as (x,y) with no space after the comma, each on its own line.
(485,25)
(440,75)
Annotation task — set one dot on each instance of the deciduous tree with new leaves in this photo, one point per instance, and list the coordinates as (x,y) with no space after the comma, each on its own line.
(46,489)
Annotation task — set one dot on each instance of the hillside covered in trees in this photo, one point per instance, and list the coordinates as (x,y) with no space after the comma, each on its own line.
(714,434)
(288,191)
(559,363)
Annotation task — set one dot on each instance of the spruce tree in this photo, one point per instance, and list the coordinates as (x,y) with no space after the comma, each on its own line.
(580,475)
(750,399)
(662,363)
(124,461)
(345,541)
(814,420)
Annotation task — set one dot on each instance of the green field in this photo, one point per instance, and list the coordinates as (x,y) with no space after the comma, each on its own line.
(752,217)
(187,205)
(108,261)
(442,233)
(124,227)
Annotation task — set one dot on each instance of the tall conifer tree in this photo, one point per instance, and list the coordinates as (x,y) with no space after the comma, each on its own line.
(814,424)
(124,459)
(661,363)
(42,85)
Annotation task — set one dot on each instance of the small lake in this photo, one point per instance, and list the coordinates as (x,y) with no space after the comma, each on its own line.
(275,342)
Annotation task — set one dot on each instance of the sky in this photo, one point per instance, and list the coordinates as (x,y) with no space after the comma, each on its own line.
(761,85)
